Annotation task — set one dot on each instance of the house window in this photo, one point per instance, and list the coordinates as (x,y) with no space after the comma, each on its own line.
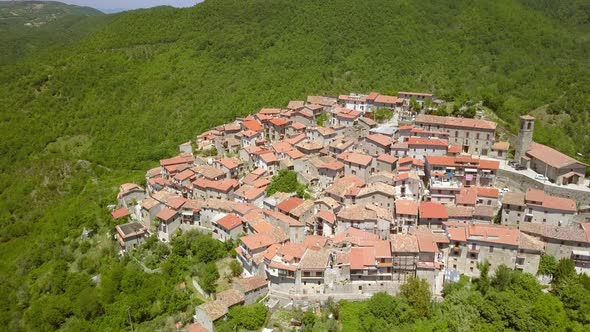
(491,249)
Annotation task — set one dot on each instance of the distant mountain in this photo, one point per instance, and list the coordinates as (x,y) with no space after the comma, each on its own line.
(28,26)
(112,10)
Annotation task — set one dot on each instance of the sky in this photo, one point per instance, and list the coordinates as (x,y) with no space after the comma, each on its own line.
(130,4)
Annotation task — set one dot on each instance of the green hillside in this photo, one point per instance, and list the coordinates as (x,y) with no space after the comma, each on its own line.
(26,27)
(116,93)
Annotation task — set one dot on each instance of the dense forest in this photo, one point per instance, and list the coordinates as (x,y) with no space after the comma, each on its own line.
(91,101)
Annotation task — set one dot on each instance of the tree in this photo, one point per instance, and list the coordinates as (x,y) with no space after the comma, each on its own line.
(208,278)
(483,282)
(236,268)
(382,114)
(502,278)
(547,265)
(308,320)
(414,105)
(565,269)
(286,181)
(321,119)
(417,292)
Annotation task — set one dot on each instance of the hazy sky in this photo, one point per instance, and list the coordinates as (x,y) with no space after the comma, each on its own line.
(130,4)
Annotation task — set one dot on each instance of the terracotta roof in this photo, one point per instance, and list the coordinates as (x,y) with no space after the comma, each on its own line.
(406,207)
(285,219)
(149,203)
(297,125)
(378,187)
(250,192)
(550,202)
(404,243)
(513,198)
(455,122)
(289,204)
(551,156)
(166,214)
(295,104)
(321,100)
(382,99)
(299,210)
(229,163)
(360,257)
(426,242)
(251,283)
(314,259)
(354,236)
(432,210)
(182,159)
(282,146)
(459,211)
(488,192)
(230,221)
(356,158)
(230,297)
(454,149)
(357,212)
(483,211)
(555,232)
(493,234)
(268,157)
(214,309)
(379,139)
(270,111)
(458,234)
(120,213)
(382,249)
(386,158)
(502,146)
(195,327)
(258,240)
(252,125)
(530,243)
(315,241)
(466,196)
(278,122)
(427,142)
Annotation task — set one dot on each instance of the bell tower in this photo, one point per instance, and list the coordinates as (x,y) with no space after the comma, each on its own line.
(525,137)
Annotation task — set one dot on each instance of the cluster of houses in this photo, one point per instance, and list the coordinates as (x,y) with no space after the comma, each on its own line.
(387,202)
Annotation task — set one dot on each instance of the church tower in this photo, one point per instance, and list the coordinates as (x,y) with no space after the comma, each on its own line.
(525,137)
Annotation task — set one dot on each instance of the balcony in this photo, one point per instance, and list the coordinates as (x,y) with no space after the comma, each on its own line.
(474,250)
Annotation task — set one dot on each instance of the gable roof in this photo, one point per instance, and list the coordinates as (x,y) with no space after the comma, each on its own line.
(551,156)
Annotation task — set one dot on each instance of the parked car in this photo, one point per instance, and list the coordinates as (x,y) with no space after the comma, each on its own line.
(504,190)
(520,167)
(541,177)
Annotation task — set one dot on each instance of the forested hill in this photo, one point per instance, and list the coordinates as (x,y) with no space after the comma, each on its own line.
(82,114)
(26,27)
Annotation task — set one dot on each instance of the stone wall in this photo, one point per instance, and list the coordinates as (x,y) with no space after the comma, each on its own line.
(506,178)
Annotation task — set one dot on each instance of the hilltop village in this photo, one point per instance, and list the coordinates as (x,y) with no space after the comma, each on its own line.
(386,198)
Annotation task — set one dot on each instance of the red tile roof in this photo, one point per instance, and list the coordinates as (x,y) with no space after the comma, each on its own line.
(289,204)
(362,257)
(356,158)
(387,158)
(550,202)
(433,210)
(551,156)
(379,139)
(166,214)
(327,216)
(120,213)
(258,240)
(406,207)
(252,125)
(230,221)
(427,142)
(455,122)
